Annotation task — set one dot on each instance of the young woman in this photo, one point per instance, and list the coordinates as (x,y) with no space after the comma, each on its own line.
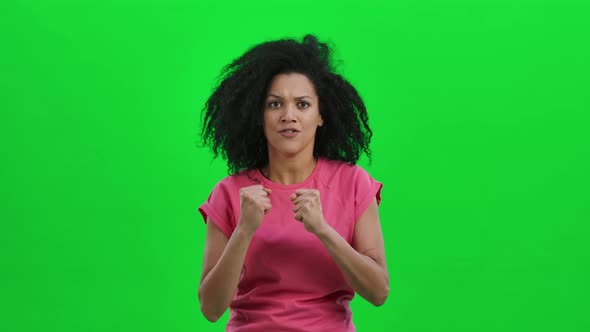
(293,233)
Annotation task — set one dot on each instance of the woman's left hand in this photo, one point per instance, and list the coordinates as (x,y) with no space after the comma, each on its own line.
(308,209)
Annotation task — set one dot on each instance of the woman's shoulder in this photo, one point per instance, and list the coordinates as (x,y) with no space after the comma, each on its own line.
(341,173)
(338,166)
(239,179)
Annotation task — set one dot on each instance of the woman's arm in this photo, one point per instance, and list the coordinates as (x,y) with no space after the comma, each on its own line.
(363,263)
(222,266)
(223,259)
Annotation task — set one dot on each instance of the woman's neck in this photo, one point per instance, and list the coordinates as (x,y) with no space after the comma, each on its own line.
(287,171)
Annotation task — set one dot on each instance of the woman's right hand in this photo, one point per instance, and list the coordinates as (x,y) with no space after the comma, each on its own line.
(254,204)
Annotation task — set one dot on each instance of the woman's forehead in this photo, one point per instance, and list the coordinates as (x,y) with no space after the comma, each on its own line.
(291,85)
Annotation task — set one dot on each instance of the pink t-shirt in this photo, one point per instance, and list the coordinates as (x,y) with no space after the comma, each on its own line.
(289,280)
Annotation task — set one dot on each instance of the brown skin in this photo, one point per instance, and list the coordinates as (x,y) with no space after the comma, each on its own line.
(254,204)
(291,102)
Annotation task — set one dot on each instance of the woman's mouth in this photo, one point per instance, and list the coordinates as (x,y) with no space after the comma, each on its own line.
(290,132)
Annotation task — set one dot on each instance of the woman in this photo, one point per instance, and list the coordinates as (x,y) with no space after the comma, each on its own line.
(294,232)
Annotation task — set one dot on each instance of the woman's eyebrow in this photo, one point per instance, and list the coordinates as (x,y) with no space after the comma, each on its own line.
(273,95)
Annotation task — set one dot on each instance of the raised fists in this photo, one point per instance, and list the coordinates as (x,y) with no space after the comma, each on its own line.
(254,203)
(308,209)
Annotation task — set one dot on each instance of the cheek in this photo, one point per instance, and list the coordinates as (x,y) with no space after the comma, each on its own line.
(267,124)
(268,118)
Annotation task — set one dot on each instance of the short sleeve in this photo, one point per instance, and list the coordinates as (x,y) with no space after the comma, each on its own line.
(218,207)
(365,189)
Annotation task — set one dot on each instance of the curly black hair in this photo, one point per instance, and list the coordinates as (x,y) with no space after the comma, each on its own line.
(232,118)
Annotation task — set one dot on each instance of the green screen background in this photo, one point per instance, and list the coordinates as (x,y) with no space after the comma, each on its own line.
(481,137)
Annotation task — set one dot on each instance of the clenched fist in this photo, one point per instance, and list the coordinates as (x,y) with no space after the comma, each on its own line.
(254,204)
(308,209)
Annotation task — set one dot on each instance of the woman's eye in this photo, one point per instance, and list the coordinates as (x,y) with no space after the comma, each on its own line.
(303,104)
(274,104)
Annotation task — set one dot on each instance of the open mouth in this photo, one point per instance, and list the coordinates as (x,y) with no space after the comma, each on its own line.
(289,132)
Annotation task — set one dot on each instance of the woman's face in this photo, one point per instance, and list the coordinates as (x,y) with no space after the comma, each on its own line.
(291,115)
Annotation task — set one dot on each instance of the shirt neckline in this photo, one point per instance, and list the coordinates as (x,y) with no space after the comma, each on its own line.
(277,185)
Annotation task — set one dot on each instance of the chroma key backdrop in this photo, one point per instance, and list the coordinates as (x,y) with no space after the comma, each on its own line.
(479,111)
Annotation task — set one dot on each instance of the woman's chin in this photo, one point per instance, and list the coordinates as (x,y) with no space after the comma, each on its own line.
(288,150)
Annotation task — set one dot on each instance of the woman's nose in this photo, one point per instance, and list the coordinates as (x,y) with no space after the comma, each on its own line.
(289,114)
